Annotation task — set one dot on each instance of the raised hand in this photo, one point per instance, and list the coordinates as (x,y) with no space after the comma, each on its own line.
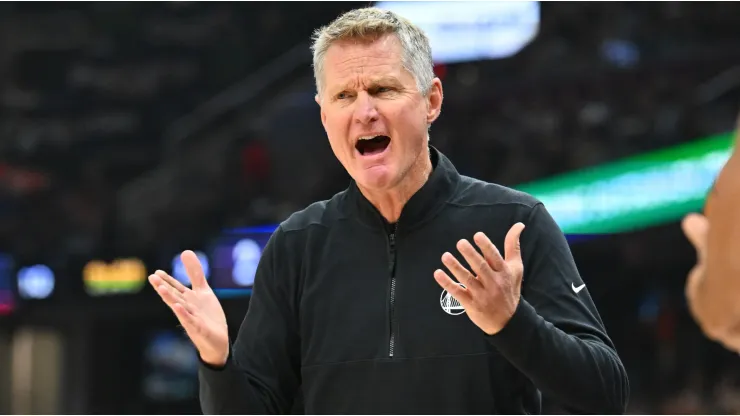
(197,309)
(492,291)
(696,228)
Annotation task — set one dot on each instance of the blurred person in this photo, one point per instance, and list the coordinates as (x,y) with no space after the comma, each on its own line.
(345,311)
(713,285)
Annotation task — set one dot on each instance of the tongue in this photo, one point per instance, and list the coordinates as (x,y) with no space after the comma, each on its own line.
(374,146)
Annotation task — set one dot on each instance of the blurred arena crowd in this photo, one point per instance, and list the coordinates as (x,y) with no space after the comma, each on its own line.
(150,127)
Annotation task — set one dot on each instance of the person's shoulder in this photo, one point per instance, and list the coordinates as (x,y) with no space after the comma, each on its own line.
(473,192)
(320,214)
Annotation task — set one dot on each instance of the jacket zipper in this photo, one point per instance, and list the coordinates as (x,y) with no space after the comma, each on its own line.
(392,298)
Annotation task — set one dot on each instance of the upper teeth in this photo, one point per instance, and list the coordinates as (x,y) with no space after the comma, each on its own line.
(367,137)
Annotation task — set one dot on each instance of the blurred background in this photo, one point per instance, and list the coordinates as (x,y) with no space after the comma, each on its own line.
(132,131)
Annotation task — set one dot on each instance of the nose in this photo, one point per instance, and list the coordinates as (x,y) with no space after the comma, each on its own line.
(365,110)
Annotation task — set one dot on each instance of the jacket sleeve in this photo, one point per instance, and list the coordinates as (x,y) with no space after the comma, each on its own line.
(556,337)
(261,375)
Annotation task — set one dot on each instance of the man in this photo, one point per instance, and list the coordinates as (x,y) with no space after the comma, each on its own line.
(713,285)
(345,310)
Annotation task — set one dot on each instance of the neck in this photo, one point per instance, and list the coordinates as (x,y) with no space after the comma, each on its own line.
(390,202)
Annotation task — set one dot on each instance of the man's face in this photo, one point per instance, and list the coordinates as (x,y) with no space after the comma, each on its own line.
(368,94)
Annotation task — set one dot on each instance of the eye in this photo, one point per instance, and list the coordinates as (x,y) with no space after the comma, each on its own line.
(381,90)
(342,96)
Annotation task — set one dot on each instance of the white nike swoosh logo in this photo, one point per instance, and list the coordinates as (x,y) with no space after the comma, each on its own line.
(577,289)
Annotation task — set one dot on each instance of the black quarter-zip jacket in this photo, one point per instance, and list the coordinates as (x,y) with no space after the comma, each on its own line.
(346,315)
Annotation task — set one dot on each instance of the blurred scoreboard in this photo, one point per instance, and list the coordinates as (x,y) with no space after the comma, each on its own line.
(7,298)
(641,191)
(231,261)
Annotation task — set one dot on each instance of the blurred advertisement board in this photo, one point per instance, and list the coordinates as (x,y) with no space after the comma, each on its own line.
(471,31)
(121,276)
(641,191)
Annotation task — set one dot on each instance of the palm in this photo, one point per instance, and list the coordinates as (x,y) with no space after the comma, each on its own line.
(198,309)
(210,332)
(492,287)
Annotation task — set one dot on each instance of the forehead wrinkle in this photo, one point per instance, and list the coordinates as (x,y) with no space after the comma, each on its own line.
(361,64)
(363,80)
(365,73)
(381,52)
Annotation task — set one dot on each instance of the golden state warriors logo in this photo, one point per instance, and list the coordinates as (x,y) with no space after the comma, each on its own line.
(451,305)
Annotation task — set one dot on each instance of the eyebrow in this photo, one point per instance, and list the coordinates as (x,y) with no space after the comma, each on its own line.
(393,81)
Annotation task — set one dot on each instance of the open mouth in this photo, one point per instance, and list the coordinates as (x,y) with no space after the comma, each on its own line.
(372,145)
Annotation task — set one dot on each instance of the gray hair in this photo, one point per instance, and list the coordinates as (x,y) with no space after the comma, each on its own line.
(369,23)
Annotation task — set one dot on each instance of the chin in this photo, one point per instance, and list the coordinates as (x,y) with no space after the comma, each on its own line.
(376,179)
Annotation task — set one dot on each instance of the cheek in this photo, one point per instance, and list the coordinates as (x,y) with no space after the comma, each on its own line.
(336,128)
(408,123)
(336,132)
(337,146)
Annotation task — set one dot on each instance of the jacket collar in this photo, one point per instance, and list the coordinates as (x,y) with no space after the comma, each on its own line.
(424,204)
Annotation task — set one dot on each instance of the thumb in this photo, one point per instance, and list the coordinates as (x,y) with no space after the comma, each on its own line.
(694,280)
(512,248)
(194,269)
(696,228)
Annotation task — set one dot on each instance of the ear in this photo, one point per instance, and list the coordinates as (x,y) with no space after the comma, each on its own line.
(434,100)
(323,115)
